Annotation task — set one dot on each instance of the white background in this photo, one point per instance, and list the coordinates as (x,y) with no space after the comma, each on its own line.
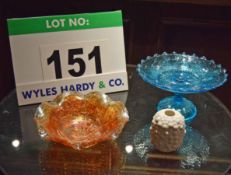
(26,50)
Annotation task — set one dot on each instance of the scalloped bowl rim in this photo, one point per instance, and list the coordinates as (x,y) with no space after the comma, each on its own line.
(58,101)
(155,56)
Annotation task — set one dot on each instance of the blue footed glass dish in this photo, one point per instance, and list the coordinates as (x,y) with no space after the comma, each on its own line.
(181,73)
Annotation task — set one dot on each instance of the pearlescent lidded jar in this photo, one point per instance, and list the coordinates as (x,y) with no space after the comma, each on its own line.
(167,130)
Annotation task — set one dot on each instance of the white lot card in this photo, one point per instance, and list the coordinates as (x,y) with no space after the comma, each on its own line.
(55,54)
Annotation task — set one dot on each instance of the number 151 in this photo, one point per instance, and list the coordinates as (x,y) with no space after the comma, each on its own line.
(72,59)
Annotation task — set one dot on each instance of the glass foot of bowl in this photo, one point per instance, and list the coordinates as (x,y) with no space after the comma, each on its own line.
(181,104)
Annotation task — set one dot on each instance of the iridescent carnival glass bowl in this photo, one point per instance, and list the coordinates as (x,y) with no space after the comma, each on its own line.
(81,121)
(181,74)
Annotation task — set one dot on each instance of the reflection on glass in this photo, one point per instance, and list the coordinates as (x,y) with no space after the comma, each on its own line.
(195,148)
(142,143)
(15,143)
(128,148)
(104,158)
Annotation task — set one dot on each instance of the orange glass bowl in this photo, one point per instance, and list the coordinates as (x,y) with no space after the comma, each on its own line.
(81,121)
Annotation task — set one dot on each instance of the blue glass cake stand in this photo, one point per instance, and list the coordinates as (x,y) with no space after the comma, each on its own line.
(181,74)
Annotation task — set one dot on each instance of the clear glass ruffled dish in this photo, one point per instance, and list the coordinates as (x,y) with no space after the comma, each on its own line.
(181,74)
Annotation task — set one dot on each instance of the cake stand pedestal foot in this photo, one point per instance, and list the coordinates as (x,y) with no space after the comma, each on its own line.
(181,104)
